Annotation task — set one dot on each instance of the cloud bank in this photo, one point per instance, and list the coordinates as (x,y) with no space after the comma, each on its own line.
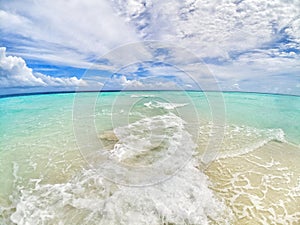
(15,73)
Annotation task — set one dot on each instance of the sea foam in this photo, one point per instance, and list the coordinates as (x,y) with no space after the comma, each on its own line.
(238,139)
(164,105)
(89,198)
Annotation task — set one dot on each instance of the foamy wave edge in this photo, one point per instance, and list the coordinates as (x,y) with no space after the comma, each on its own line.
(89,199)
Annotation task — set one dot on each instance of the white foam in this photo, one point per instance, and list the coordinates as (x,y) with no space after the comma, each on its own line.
(238,140)
(261,187)
(89,199)
(165,133)
(142,96)
(164,105)
(295,191)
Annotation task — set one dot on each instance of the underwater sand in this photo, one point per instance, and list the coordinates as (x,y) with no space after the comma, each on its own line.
(149,158)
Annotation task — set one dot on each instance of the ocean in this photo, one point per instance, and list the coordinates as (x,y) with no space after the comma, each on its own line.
(150,157)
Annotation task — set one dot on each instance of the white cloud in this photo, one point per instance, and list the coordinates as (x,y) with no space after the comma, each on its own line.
(75,33)
(10,20)
(259,72)
(130,83)
(158,75)
(236,86)
(125,83)
(15,73)
(222,28)
(259,64)
(211,28)
(69,30)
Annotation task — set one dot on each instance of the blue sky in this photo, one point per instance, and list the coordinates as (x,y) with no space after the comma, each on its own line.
(248,45)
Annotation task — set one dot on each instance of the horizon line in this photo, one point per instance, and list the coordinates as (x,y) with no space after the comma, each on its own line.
(99,91)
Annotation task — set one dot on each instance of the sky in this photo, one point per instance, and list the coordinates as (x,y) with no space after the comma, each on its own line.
(229,45)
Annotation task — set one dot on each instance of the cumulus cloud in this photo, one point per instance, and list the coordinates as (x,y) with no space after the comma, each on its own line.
(15,73)
(130,83)
(124,82)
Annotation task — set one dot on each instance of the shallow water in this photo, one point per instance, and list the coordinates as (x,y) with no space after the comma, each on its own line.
(150,158)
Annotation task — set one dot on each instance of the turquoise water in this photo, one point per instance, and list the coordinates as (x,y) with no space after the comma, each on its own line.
(20,114)
(265,111)
(48,144)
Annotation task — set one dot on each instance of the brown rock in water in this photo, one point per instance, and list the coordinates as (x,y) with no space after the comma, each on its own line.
(109,136)
(108,139)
